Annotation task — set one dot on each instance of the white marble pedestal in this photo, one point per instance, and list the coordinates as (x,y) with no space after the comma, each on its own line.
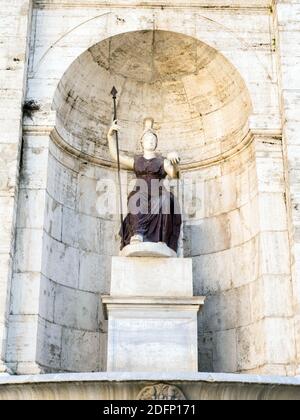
(152,316)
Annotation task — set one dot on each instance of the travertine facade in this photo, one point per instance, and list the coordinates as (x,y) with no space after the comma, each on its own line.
(221,80)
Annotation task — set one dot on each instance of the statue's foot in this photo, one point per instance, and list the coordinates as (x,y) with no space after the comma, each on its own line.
(137,239)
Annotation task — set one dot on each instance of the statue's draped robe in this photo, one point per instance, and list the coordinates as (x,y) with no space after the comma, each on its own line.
(153,211)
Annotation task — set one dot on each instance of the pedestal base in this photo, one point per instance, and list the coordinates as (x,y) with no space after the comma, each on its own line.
(152,334)
(152,316)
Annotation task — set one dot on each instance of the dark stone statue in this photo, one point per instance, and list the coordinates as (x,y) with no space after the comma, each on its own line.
(153,211)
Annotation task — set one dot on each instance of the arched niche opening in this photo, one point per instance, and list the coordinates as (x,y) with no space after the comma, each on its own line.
(199,102)
(201,108)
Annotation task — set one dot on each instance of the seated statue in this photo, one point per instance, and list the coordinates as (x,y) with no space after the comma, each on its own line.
(153,211)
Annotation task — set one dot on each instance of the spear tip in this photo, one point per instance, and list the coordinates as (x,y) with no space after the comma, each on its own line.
(114,92)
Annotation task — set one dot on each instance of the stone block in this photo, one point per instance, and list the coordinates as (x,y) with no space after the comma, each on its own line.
(3,336)
(22,338)
(161,331)
(220,195)
(10,127)
(272,212)
(245,262)
(62,183)
(280,340)
(6,237)
(151,277)
(70,226)
(291,133)
(61,262)
(109,239)
(53,218)
(25,293)
(220,311)
(243,306)
(256,293)
(9,154)
(29,239)
(244,223)
(225,351)
(81,312)
(270,176)
(205,346)
(103,352)
(47,299)
(25,368)
(89,234)
(242,183)
(94,272)
(31,209)
(274,248)
(6,217)
(5,271)
(207,236)
(87,195)
(290,77)
(80,351)
(271,296)
(277,296)
(34,168)
(297,338)
(251,346)
(49,345)
(152,313)
(212,273)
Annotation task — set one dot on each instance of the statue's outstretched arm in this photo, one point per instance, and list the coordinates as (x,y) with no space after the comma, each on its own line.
(126,161)
(171,165)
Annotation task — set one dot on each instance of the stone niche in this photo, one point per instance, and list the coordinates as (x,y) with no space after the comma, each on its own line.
(201,107)
(198,100)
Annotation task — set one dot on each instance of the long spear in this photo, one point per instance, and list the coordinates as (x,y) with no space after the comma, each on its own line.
(114,93)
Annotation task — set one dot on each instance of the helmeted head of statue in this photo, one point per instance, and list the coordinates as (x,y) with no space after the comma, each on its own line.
(149,140)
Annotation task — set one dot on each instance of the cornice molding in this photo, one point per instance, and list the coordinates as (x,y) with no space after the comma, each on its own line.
(60,142)
(163,4)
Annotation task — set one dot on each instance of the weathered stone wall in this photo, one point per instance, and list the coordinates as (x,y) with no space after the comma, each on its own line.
(241,263)
(78,245)
(15,17)
(27,282)
(62,264)
(240,242)
(286,21)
